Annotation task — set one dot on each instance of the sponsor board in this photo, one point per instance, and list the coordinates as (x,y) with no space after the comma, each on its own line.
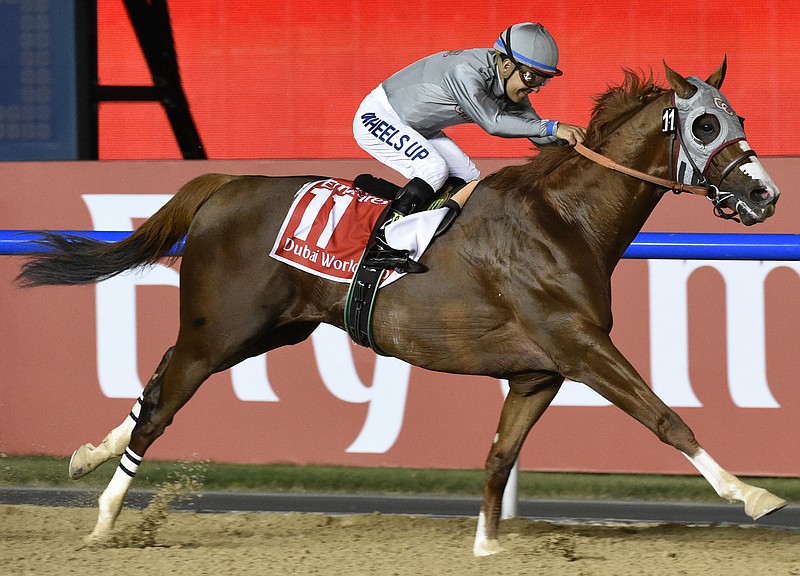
(716,340)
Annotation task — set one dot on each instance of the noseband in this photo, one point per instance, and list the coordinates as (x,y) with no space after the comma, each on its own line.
(716,196)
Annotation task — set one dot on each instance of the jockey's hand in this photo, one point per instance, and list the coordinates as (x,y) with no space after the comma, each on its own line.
(572,134)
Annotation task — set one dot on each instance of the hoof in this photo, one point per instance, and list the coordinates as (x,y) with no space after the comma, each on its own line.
(81,464)
(761,503)
(94,541)
(487,548)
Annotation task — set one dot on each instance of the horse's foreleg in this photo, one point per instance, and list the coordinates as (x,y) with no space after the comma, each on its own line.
(672,430)
(526,401)
(89,457)
(757,501)
(616,380)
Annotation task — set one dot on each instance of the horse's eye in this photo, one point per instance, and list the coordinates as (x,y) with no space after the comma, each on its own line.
(706,128)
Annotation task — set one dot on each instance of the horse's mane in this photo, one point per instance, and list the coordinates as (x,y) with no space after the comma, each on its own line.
(611,110)
(619,103)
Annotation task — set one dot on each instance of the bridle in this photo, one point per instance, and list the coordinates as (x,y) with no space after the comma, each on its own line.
(702,188)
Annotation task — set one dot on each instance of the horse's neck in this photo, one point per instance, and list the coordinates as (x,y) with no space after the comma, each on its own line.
(613,209)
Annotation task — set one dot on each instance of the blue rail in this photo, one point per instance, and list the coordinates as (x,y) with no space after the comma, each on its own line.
(649,245)
(693,246)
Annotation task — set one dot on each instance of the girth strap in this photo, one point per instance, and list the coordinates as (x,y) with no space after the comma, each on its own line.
(361,296)
(359,304)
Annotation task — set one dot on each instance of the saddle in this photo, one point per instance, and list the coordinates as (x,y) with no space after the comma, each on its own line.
(366,280)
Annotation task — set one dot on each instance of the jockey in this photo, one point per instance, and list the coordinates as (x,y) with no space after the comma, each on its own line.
(401,122)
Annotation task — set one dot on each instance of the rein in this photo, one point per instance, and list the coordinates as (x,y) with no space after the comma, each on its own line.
(668,184)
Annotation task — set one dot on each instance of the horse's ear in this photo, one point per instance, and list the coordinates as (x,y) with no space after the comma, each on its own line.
(678,83)
(718,75)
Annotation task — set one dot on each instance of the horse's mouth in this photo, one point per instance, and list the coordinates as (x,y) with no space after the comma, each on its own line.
(757,206)
(749,215)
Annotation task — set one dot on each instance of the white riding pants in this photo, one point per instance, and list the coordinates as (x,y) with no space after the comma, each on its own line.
(381,133)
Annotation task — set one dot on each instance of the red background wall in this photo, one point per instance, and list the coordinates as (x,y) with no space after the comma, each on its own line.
(283,79)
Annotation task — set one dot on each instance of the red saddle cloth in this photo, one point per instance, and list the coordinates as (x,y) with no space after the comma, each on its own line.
(327,228)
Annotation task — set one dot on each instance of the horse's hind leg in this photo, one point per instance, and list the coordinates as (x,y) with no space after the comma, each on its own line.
(168,390)
(89,457)
(527,400)
(191,363)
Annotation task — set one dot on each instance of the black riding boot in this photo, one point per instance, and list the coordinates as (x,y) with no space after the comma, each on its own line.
(411,197)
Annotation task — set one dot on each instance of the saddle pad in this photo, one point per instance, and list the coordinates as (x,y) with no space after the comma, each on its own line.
(327,228)
(330,222)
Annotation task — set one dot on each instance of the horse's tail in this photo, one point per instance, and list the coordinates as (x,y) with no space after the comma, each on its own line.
(72,259)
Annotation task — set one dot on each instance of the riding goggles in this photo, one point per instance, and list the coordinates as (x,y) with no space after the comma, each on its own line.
(532,79)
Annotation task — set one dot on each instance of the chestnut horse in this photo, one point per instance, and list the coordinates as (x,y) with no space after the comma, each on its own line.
(518,289)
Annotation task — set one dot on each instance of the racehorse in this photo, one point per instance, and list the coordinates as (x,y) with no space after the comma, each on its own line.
(518,289)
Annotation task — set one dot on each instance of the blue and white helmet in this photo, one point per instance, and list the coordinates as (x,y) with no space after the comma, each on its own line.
(530,45)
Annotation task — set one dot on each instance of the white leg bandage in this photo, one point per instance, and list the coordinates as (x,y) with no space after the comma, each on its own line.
(129,463)
(110,502)
(757,501)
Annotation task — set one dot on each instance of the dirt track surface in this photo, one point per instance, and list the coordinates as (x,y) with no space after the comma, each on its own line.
(43,540)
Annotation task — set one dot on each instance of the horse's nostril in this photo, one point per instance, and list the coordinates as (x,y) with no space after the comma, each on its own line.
(760,196)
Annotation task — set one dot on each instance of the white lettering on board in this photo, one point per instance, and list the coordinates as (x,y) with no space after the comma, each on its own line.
(386,394)
(745,346)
